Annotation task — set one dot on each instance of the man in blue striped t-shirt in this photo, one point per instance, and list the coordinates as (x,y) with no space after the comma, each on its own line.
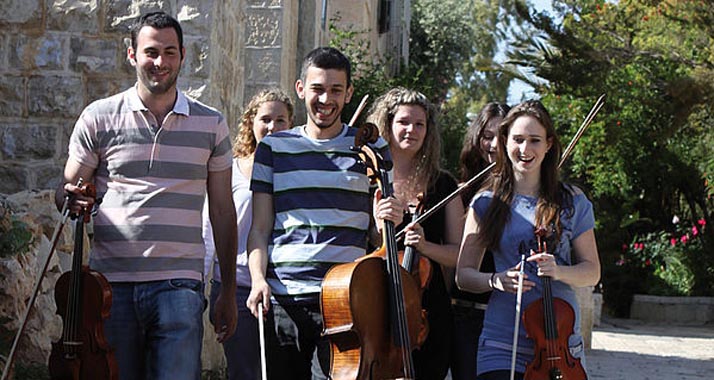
(311,210)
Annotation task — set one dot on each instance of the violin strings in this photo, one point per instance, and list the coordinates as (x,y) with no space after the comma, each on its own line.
(549,320)
(73,311)
(400,307)
(551,332)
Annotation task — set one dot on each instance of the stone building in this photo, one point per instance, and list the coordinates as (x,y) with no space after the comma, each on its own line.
(57,56)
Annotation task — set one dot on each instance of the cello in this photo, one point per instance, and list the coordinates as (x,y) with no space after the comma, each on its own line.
(371,308)
(84,300)
(549,322)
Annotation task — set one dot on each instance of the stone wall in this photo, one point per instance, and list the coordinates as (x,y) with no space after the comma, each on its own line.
(57,56)
(673,310)
(18,275)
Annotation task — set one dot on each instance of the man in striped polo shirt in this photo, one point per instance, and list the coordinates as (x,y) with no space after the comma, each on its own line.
(311,210)
(154,154)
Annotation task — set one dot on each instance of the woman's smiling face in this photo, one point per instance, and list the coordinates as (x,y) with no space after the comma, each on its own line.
(527,144)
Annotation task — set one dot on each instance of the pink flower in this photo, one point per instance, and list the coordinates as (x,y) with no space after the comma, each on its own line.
(648,262)
(620,262)
(702,222)
(624,247)
(684,239)
(673,241)
(695,231)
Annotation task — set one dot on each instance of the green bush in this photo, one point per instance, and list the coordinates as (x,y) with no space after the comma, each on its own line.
(669,263)
(15,237)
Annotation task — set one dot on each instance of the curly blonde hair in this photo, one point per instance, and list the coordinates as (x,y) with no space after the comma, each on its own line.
(245,142)
(382,114)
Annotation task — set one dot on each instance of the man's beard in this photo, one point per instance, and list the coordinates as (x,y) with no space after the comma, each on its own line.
(158,88)
(321,123)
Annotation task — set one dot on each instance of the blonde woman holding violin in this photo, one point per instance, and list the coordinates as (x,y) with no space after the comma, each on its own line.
(524,193)
(407,121)
(269,111)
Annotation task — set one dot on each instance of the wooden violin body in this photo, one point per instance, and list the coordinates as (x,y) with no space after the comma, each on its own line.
(549,323)
(89,361)
(83,298)
(552,360)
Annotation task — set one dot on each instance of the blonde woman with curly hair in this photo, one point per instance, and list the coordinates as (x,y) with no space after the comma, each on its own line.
(407,121)
(269,111)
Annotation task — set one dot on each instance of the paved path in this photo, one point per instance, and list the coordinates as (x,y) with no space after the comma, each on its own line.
(624,349)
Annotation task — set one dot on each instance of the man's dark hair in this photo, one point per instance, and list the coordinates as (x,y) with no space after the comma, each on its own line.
(327,58)
(157,20)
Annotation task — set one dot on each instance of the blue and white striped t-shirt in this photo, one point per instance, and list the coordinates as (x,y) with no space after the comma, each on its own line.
(321,199)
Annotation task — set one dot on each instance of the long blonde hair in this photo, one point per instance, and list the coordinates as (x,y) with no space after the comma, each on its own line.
(245,142)
(382,114)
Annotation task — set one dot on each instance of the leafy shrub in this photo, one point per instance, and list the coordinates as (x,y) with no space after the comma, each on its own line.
(669,263)
(15,237)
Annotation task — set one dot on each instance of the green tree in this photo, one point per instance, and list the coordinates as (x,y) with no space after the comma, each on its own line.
(645,158)
(450,50)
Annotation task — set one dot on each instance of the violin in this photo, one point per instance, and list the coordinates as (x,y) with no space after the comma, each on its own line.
(549,322)
(84,300)
(371,308)
(414,263)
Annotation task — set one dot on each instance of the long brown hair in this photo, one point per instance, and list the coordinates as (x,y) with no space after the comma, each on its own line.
(471,160)
(551,196)
(382,114)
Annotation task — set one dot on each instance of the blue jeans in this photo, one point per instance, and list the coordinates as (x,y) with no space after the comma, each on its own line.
(242,349)
(156,329)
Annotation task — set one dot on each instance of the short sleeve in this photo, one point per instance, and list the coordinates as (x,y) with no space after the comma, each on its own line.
(262,178)
(584,218)
(222,154)
(480,203)
(83,141)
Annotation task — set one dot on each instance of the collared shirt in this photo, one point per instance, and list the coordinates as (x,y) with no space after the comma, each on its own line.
(153,183)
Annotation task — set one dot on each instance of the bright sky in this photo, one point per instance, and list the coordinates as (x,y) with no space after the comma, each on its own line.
(518,90)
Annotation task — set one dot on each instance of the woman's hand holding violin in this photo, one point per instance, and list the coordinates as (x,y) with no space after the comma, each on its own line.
(547,265)
(414,236)
(508,281)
